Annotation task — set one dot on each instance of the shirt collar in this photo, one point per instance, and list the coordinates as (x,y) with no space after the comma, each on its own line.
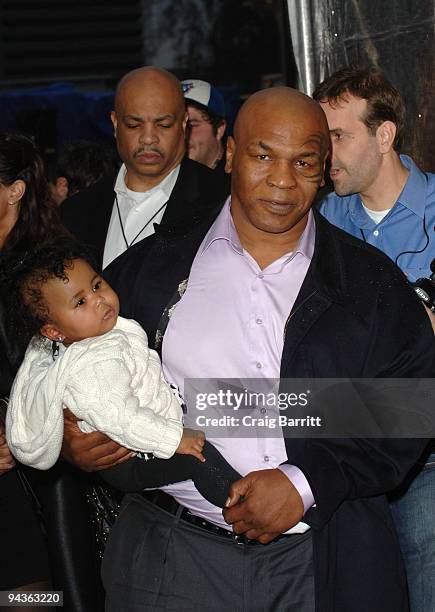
(166,185)
(224,229)
(413,195)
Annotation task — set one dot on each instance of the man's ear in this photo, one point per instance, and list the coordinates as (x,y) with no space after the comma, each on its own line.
(185,120)
(114,122)
(325,165)
(231,149)
(385,135)
(221,131)
(61,188)
(52,332)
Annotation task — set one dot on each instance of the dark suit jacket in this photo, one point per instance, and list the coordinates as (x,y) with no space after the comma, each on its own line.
(87,214)
(355,316)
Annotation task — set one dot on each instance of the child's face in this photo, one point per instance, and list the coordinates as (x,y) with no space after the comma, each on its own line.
(82,307)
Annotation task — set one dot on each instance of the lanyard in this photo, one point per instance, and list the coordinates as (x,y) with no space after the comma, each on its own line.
(141,230)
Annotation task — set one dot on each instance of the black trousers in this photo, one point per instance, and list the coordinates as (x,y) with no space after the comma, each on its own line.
(155,561)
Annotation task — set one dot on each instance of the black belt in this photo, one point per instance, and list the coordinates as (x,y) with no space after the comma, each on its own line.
(169,504)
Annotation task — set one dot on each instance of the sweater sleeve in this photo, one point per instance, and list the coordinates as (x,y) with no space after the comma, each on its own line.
(102,394)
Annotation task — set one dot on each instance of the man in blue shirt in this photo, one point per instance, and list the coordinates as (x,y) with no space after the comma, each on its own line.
(383,198)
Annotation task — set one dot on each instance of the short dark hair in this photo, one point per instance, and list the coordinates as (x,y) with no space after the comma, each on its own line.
(83,163)
(209,115)
(22,277)
(384,102)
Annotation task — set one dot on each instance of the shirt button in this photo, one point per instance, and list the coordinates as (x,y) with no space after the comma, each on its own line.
(259,321)
(262,410)
(259,364)
(261,276)
(266,458)
(376,233)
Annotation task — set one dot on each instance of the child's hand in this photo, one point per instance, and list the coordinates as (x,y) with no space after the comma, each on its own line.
(7,461)
(192,443)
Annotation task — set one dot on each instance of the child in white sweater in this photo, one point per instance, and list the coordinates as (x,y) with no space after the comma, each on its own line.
(84,357)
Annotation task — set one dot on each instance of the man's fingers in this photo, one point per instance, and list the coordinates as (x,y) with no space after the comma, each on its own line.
(113,458)
(235,508)
(265,538)
(107,450)
(258,534)
(240,527)
(123,458)
(233,499)
(69,416)
(92,439)
(253,533)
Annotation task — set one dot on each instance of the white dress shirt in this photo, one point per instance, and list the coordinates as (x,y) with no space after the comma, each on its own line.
(139,210)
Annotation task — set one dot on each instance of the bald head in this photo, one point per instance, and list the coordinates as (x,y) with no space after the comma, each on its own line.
(150,78)
(150,122)
(286,104)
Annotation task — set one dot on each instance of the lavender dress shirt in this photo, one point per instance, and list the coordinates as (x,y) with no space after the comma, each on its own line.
(230,324)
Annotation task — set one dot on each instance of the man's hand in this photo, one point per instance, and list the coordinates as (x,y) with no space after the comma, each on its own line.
(271,505)
(90,452)
(431,317)
(7,462)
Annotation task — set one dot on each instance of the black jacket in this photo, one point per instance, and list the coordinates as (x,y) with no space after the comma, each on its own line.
(87,214)
(355,316)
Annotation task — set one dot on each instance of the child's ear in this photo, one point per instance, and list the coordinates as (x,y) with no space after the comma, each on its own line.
(51,332)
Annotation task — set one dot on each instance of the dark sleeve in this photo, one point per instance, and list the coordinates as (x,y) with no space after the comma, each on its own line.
(212,478)
(401,346)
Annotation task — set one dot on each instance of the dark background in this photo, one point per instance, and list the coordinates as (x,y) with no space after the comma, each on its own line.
(60,60)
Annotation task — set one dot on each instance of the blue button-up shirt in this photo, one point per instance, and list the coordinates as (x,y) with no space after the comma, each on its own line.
(409,225)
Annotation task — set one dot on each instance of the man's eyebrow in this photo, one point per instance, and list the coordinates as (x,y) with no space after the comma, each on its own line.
(261,144)
(309,153)
(336,131)
(132,117)
(141,119)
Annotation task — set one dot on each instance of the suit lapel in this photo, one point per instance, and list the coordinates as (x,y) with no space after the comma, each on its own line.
(324,284)
(101,212)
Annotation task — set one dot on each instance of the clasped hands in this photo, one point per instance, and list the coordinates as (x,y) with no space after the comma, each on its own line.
(262,505)
(270,506)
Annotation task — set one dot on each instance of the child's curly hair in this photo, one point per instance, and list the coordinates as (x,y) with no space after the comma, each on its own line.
(22,277)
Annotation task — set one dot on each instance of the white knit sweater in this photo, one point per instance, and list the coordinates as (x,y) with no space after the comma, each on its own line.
(112,383)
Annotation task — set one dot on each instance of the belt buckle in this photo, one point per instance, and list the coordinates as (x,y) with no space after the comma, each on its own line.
(238,538)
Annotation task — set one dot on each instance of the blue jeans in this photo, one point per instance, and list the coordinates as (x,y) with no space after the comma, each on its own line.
(414,517)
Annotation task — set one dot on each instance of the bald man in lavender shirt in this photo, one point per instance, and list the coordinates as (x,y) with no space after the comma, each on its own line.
(273,291)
